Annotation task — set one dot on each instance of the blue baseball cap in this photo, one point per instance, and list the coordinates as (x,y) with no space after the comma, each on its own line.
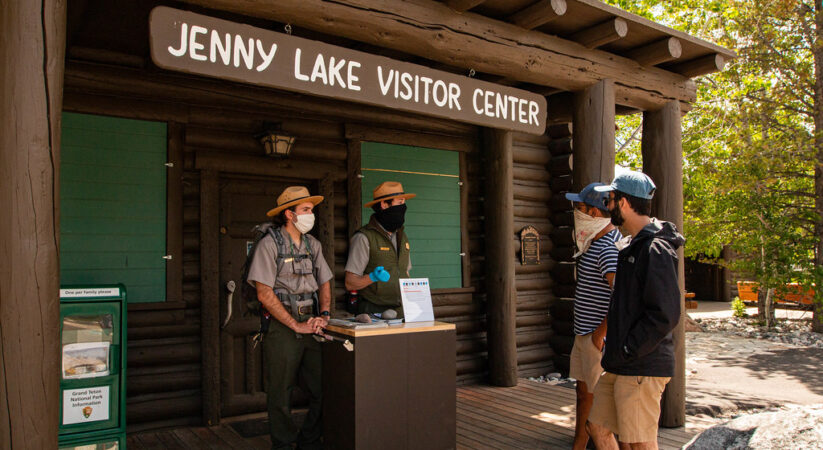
(636,184)
(589,196)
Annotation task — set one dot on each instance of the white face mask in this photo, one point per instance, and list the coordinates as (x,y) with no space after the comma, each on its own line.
(305,222)
(586,228)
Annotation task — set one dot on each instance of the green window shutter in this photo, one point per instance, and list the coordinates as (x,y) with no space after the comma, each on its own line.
(113,204)
(433,217)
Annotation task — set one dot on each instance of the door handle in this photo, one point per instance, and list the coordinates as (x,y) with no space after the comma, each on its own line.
(230,286)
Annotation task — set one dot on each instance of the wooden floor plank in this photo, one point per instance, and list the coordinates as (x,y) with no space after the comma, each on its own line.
(516,418)
(169,441)
(513,431)
(230,437)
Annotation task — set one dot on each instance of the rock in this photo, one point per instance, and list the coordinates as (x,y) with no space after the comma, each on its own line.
(792,427)
(693,326)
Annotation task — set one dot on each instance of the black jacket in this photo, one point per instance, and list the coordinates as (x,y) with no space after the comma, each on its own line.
(645,304)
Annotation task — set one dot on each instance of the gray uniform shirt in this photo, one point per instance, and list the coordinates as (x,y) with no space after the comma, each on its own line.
(263,267)
(359,253)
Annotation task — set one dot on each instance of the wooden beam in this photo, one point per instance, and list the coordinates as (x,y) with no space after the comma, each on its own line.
(593,135)
(662,152)
(354,204)
(174,204)
(700,66)
(601,34)
(559,107)
(210,295)
(31,79)
(463,5)
(434,31)
(259,165)
(413,138)
(325,230)
(539,13)
(657,52)
(464,221)
(501,294)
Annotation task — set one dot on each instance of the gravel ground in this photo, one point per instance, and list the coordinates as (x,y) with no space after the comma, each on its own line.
(796,332)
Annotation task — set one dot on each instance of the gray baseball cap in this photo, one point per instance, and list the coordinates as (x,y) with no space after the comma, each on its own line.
(636,184)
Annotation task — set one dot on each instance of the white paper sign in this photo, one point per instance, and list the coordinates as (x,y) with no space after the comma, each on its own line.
(417,299)
(91,292)
(89,404)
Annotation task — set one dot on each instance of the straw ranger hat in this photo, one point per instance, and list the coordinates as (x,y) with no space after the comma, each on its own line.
(388,190)
(294,195)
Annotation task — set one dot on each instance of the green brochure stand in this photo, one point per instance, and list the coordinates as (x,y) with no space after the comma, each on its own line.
(93,367)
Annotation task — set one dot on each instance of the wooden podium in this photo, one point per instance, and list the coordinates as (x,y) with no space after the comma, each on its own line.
(396,389)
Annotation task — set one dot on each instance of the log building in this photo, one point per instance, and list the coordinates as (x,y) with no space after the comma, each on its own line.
(116,169)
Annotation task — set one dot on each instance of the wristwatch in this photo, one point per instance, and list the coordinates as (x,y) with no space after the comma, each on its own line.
(325,313)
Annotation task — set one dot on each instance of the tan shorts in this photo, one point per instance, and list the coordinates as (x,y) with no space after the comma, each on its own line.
(584,363)
(629,406)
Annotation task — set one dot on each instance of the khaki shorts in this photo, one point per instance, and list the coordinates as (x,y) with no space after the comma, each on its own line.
(584,363)
(629,406)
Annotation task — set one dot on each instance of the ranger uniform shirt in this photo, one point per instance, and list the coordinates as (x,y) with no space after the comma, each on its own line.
(263,267)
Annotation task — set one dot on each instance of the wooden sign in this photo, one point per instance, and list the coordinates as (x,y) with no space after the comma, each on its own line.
(529,246)
(202,45)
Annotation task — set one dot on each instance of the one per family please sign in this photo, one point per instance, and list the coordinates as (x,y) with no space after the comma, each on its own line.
(198,44)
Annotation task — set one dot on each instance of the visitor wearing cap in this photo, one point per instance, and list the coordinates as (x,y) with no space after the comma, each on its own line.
(638,357)
(379,252)
(596,259)
(291,277)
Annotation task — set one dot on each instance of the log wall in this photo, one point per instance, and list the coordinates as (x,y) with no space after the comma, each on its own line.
(214,124)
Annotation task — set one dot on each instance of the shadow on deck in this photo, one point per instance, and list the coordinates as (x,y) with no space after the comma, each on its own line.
(529,416)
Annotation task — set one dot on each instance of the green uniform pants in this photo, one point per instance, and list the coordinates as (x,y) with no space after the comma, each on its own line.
(365,306)
(286,357)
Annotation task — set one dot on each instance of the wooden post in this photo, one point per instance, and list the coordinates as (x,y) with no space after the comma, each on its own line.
(663,162)
(31,81)
(326,226)
(210,294)
(593,135)
(500,288)
(355,199)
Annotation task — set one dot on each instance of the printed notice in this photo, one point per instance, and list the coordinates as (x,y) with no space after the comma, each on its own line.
(88,404)
(90,292)
(417,299)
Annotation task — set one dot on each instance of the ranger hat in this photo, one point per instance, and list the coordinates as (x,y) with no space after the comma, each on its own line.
(636,184)
(388,190)
(589,196)
(294,195)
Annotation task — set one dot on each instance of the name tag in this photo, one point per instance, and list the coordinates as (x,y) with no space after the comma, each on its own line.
(385,249)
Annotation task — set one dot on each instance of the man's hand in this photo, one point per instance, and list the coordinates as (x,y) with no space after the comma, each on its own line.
(308,327)
(598,337)
(319,321)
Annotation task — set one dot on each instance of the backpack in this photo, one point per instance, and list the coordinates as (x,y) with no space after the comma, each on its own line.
(248,293)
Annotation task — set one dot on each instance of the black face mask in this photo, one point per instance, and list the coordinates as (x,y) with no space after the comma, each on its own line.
(616,219)
(391,218)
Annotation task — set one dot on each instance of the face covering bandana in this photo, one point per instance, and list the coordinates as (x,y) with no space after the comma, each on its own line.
(392,218)
(586,228)
(304,223)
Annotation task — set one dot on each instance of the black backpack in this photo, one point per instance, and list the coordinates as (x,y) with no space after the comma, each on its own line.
(248,293)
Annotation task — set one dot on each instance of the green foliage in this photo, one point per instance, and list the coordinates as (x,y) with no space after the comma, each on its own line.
(749,143)
(738,308)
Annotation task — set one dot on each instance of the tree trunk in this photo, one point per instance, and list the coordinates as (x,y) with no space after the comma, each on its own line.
(765,306)
(31,93)
(817,317)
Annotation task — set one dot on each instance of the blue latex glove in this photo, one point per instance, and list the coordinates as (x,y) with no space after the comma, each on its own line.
(379,274)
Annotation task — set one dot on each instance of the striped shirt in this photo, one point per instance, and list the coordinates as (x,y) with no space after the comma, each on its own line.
(592,293)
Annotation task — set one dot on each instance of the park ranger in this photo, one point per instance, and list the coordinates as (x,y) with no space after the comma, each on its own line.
(379,252)
(292,282)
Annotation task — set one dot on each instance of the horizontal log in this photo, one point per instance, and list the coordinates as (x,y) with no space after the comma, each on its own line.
(405,137)
(520,139)
(561,183)
(559,130)
(462,5)
(300,127)
(562,310)
(177,422)
(471,346)
(561,165)
(563,327)
(191,271)
(166,408)
(563,290)
(560,253)
(601,34)
(530,173)
(525,209)
(543,226)
(699,66)
(531,155)
(544,267)
(564,218)
(167,382)
(542,282)
(441,312)
(534,354)
(533,338)
(474,365)
(82,101)
(178,353)
(452,299)
(434,31)
(563,273)
(163,331)
(562,236)
(559,202)
(538,13)
(534,193)
(191,214)
(224,141)
(561,364)
(561,344)
(562,146)
(260,165)
(657,52)
(152,318)
(535,369)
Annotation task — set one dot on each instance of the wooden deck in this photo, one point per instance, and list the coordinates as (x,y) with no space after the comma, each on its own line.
(529,416)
